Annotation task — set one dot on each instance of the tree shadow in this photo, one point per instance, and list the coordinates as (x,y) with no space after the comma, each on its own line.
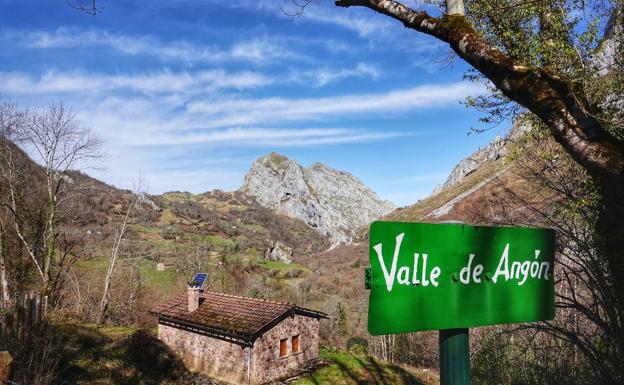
(381,374)
(79,354)
(371,372)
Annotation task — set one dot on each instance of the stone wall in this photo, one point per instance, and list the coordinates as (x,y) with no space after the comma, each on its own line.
(266,363)
(227,361)
(219,359)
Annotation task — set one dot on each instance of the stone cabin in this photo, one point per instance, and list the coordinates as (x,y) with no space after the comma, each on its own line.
(237,339)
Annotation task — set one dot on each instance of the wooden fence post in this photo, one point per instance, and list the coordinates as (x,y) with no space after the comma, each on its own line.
(5,366)
(21,319)
(28,321)
(20,322)
(35,308)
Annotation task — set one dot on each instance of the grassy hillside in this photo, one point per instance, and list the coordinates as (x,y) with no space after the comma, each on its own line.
(346,368)
(123,355)
(223,233)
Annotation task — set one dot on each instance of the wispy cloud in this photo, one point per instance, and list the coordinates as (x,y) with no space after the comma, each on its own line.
(166,104)
(266,122)
(266,137)
(149,122)
(257,49)
(366,26)
(254,111)
(324,76)
(165,81)
(370,26)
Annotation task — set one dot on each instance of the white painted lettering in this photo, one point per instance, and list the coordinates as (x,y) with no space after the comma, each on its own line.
(526,265)
(503,265)
(425,283)
(415,280)
(389,276)
(464,273)
(435,273)
(403,276)
(476,273)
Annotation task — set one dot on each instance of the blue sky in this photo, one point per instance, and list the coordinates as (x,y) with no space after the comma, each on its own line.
(189,93)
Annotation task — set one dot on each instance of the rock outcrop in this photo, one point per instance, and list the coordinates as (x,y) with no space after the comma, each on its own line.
(334,203)
(606,56)
(495,150)
(279,252)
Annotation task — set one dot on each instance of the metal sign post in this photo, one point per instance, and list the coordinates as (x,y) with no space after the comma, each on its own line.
(454,357)
(450,277)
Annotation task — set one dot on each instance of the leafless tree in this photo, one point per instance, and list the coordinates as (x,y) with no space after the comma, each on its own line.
(88,7)
(119,236)
(59,142)
(4,283)
(545,187)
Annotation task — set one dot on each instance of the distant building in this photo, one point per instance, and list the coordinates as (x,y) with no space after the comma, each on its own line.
(163,266)
(240,340)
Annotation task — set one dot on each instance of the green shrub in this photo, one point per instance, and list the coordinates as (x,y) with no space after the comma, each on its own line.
(358,345)
(503,361)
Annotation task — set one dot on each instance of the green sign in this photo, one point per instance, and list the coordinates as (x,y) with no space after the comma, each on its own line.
(444,276)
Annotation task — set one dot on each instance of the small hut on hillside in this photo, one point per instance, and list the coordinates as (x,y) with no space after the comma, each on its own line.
(237,339)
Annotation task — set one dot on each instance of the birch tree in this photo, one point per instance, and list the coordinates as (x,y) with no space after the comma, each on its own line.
(59,142)
(9,118)
(4,283)
(114,255)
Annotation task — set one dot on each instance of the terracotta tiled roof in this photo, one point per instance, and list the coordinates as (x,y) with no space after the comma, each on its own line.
(234,317)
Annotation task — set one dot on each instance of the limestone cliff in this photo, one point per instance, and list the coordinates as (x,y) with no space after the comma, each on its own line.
(495,150)
(334,203)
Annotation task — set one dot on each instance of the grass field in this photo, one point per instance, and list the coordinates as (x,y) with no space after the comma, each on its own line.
(165,280)
(121,355)
(347,368)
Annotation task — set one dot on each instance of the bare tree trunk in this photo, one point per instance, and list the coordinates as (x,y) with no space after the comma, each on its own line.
(119,234)
(115,254)
(3,278)
(50,237)
(60,142)
(11,170)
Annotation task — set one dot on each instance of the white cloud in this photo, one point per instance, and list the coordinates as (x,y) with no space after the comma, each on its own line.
(165,81)
(365,26)
(163,172)
(266,137)
(262,122)
(257,49)
(263,49)
(324,76)
(380,30)
(235,112)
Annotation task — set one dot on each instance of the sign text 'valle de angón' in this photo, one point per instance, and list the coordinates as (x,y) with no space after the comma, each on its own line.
(444,276)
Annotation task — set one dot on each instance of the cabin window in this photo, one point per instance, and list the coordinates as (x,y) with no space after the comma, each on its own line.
(295,344)
(283,347)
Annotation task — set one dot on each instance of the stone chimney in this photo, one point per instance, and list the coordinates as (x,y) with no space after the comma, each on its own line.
(193,298)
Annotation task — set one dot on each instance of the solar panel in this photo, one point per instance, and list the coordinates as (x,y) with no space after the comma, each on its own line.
(199,280)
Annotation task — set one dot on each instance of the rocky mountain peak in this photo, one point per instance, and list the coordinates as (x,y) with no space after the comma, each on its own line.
(496,150)
(335,203)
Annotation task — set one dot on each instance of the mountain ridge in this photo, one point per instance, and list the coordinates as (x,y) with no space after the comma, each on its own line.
(335,203)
